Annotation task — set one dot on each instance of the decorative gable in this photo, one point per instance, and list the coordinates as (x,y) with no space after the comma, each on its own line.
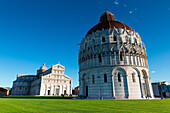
(58,66)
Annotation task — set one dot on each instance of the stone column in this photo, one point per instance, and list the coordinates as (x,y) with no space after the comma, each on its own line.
(113,88)
(148,87)
(80,88)
(138,61)
(130,60)
(60,90)
(51,89)
(111,60)
(128,89)
(54,91)
(115,58)
(140,83)
(151,90)
(70,89)
(99,86)
(88,87)
(45,90)
(67,90)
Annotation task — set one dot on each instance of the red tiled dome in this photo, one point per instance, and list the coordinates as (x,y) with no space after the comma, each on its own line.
(108,21)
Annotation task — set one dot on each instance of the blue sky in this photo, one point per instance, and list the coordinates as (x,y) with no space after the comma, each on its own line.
(36,31)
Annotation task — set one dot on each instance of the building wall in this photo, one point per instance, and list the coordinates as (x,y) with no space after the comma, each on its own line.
(46,83)
(163,87)
(4,91)
(122,51)
(156,90)
(35,87)
(52,82)
(112,88)
(56,80)
(22,85)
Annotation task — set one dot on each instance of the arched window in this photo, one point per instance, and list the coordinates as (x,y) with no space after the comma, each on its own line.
(100,58)
(105,78)
(103,39)
(114,38)
(121,56)
(119,77)
(93,81)
(133,77)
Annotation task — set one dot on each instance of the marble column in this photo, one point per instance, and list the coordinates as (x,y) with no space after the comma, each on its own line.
(88,87)
(113,88)
(45,90)
(51,89)
(67,90)
(99,86)
(140,83)
(127,83)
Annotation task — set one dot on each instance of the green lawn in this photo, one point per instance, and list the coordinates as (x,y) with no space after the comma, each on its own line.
(12,105)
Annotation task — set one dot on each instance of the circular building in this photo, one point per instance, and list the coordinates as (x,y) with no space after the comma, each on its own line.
(113,62)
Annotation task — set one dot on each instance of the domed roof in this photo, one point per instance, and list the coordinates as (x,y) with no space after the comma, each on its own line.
(108,21)
(43,67)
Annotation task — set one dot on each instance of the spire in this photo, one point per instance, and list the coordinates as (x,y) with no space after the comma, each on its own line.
(43,64)
(58,62)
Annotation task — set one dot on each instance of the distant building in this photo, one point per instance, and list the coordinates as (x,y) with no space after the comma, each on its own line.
(113,62)
(75,91)
(4,91)
(51,81)
(161,87)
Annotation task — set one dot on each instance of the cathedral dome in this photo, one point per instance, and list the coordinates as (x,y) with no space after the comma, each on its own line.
(108,21)
(43,67)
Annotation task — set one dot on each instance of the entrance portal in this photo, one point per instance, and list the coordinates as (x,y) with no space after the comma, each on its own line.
(57,92)
(64,92)
(48,92)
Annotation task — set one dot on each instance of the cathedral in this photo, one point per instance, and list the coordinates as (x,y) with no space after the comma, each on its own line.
(113,62)
(51,81)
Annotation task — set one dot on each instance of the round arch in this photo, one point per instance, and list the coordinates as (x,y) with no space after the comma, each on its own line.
(120,85)
(145,85)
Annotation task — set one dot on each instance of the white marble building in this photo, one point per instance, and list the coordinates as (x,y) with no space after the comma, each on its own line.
(161,87)
(51,81)
(113,62)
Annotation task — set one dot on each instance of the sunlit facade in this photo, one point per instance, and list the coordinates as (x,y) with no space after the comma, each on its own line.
(113,62)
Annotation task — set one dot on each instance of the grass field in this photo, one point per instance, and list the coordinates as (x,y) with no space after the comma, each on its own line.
(18,105)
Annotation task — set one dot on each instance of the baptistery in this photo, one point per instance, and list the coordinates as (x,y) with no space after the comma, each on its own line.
(113,62)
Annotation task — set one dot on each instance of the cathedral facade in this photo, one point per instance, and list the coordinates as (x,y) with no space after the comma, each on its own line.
(113,62)
(51,81)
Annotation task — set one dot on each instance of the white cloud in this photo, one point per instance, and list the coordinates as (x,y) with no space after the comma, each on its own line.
(124,5)
(153,71)
(131,11)
(116,2)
